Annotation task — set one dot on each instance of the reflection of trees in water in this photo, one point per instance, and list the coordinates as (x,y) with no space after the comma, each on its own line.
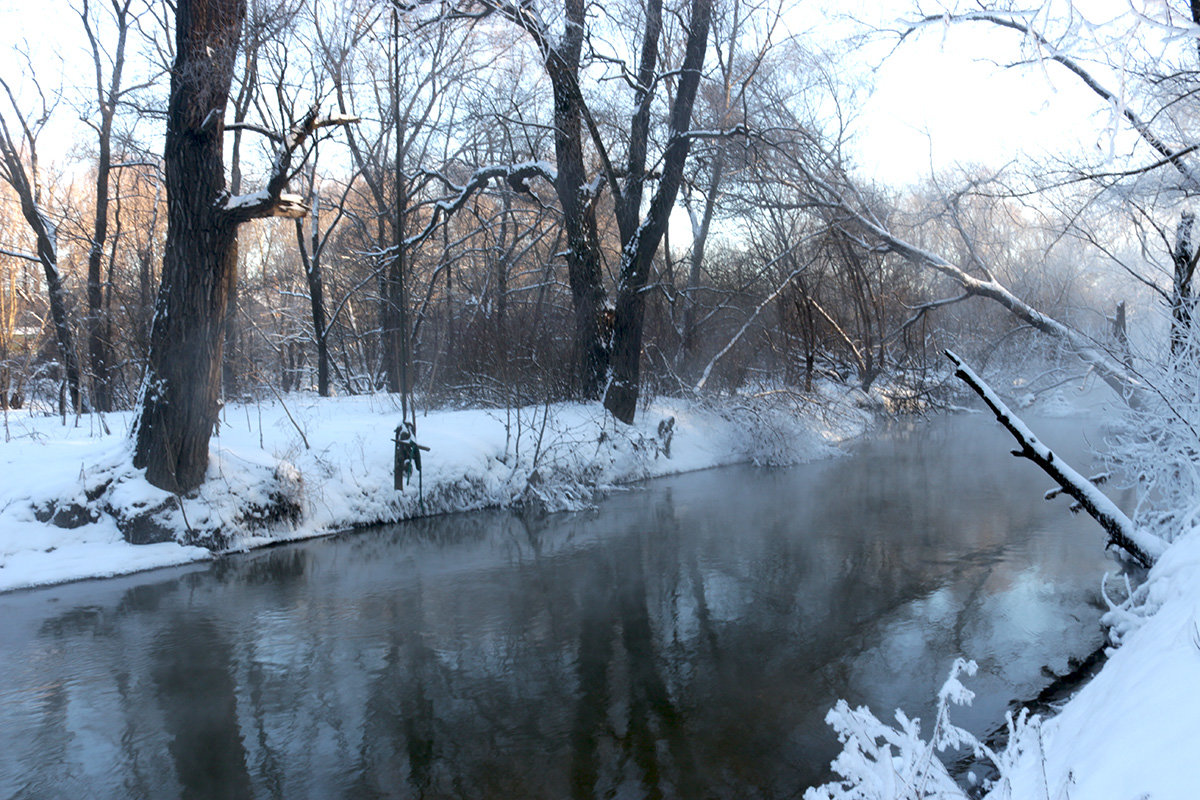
(197,694)
(624,709)
(50,740)
(398,743)
(685,642)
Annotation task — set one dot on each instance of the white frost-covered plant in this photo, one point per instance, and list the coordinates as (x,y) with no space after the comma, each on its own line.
(882,762)
(1157,446)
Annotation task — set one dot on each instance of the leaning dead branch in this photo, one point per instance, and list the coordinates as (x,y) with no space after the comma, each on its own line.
(273,201)
(1141,546)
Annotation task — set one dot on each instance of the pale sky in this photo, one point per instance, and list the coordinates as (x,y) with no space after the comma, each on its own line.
(942,100)
(937,102)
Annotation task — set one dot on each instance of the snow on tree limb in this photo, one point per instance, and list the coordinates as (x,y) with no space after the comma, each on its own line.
(20,254)
(1143,547)
(1111,370)
(1016,21)
(516,175)
(273,201)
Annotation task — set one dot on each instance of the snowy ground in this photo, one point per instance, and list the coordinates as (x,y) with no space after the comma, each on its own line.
(330,462)
(1131,733)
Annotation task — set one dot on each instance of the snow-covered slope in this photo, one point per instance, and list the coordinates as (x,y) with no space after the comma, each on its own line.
(307,466)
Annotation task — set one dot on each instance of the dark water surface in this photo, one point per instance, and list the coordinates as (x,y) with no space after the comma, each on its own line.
(685,640)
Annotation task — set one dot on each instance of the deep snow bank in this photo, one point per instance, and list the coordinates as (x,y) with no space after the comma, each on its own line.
(1128,734)
(70,498)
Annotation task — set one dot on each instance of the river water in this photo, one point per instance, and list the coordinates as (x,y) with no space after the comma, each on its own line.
(686,639)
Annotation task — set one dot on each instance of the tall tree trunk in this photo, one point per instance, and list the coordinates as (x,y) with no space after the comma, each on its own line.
(699,243)
(232,368)
(98,319)
(393,317)
(97,346)
(640,244)
(579,208)
(181,389)
(48,255)
(46,235)
(233,362)
(1182,301)
(396,332)
(561,56)
(316,293)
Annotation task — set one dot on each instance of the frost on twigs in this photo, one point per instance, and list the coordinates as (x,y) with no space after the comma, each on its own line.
(883,762)
(1128,615)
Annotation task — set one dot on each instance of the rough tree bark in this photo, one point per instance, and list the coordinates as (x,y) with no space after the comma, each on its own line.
(640,240)
(179,401)
(180,392)
(578,205)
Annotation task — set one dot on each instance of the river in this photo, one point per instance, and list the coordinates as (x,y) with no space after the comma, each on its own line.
(685,639)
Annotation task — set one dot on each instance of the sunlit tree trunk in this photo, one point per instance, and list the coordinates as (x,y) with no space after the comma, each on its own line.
(45,232)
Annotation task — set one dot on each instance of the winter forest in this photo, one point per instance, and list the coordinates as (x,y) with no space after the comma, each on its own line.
(276,269)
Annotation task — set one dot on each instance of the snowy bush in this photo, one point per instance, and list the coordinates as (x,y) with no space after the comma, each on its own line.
(883,762)
(1156,445)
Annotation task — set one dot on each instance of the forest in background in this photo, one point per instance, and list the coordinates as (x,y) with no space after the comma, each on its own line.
(456,219)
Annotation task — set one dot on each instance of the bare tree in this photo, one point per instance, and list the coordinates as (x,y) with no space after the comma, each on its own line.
(640,237)
(180,392)
(109,91)
(15,152)
(1155,100)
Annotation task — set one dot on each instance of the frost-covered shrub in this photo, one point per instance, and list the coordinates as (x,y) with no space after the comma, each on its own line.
(883,762)
(1156,445)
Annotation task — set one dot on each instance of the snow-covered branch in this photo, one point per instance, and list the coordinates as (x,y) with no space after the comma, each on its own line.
(274,136)
(1171,155)
(1111,370)
(719,133)
(273,201)
(516,175)
(19,254)
(1142,546)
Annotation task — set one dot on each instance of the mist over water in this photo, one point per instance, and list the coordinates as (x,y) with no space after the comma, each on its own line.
(686,639)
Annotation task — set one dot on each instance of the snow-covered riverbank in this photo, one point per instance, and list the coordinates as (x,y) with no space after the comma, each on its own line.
(309,466)
(1127,734)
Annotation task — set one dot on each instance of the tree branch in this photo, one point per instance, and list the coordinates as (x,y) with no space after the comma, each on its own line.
(1170,155)
(273,201)
(516,175)
(20,254)
(1143,547)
